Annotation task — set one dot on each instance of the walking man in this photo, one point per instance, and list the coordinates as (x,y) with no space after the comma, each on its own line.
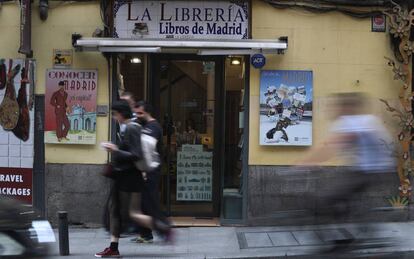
(150,197)
(58,100)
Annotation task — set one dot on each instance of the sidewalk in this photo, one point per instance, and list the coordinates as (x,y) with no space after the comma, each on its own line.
(249,242)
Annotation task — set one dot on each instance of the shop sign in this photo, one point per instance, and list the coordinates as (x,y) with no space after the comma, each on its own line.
(181,19)
(16,127)
(70,110)
(62,58)
(258,60)
(378,23)
(194,174)
(16,183)
(286,108)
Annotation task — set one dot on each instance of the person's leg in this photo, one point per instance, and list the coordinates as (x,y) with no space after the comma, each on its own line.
(146,233)
(135,211)
(66,125)
(58,125)
(114,207)
(136,214)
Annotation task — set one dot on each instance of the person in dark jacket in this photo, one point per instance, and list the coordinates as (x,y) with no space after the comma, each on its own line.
(128,184)
(150,194)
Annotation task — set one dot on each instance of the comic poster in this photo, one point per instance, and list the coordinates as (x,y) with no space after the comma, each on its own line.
(70,102)
(286,108)
(17,81)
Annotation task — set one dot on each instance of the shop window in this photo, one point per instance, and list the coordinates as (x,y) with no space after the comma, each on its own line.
(234,83)
(132,74)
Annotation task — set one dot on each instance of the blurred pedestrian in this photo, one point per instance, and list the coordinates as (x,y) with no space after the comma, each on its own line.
(129,97)
(362,141)
(129,182)
(150,195)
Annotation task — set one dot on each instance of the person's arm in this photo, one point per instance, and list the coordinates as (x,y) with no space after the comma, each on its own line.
(66,98)
(133,138)
(53,100)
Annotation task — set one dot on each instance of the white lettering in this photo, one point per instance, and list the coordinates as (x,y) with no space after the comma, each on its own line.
(15,191)
(11,178)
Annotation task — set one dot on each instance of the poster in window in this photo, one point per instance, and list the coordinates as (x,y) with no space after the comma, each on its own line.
(70,112)
(17,80)
(194,174)
(286,107)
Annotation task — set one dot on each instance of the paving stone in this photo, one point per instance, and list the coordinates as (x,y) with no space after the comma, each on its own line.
(258,240)
(307,238)
(283,239)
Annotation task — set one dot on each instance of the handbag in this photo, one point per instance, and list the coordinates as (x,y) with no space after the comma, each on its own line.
(108,171)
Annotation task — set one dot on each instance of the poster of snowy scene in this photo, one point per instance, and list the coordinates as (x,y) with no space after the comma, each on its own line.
(286,108)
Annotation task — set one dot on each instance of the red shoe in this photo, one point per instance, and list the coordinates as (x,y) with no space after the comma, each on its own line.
(108,253)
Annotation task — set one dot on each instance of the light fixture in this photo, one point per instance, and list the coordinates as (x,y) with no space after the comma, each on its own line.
(130,49)
(226,52)
(235,61)
(136,60)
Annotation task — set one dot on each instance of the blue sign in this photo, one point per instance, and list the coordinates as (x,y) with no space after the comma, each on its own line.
(258,60)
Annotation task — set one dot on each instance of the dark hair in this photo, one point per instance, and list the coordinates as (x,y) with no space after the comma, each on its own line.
(146,106)
(61,83)
(123,108)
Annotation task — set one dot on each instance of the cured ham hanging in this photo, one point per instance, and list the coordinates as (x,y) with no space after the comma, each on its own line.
(9,108)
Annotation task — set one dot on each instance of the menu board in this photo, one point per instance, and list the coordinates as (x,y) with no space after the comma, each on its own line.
(194,174)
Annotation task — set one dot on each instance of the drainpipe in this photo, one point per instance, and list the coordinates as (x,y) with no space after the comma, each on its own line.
(43,9)
(410,6)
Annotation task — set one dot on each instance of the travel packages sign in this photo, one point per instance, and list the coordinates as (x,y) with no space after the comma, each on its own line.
(181,19)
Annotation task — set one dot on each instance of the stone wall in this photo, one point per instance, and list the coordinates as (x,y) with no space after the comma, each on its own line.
(78,189)
(282,195)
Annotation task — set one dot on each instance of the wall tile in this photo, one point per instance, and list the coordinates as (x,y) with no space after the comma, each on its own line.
(27,163)
(13,139)
(4,150)
(4,162)
(14,162)
(4,138)
(14,150)
(26,151)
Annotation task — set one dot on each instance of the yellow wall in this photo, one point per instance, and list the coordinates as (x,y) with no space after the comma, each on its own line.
(338,49)
(55,33)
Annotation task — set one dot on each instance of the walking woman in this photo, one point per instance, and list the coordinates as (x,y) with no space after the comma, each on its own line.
(129,183)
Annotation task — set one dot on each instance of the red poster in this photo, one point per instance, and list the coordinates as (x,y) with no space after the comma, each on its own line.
(70,106)
(17,183)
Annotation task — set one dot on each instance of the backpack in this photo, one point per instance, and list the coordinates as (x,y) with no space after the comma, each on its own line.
(150,157)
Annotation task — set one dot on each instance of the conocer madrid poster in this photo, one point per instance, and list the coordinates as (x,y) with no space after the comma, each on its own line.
(70,110)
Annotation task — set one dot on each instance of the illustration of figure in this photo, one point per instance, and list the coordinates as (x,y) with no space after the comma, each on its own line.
(281,125)
(58,100)
(282,93)
(272,101)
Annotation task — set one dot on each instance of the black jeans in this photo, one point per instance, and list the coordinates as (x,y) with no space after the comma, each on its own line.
(151,201)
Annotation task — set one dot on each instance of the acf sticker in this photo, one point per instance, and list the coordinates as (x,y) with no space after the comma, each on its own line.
(258,60)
